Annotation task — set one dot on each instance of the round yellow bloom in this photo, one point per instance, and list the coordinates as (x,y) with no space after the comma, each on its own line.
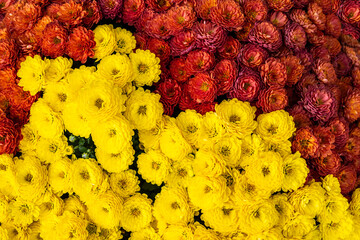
(50,150)
(56,95)
(149,139)
(355,203)
(251,147)
(356,231)
(60,176)
(87,178)
(30,139)
(3,208)
(181,173)
(31,177)
(58,69)
(143,109)
(207,163)
(146,233)
(45,120)
(207,193)
(172,205)
(331,184)
(272,234)
(71,227)
(309,200)
(146,67)
(116,69)
(125,183)
(258,216)
(229,149)
(299,226)
(283,207)
(35,230)
(75,206)
(104,37)
(8,184)
(335,208)
(295,172)
(3,234)
(239,116)
(337,228)
(275,126)
(75,121)
(99,233)
(79,78)
(100,101)
(15,232)
(125,41)
(104,209)
(245,190)
(189,122)
(22,213)
(203,233)
(51,205)
(283,147)
(178,232)
(313,235)
(266,172)
(136,213)
(211,130)
(115,162)
(153,166)
(32,73)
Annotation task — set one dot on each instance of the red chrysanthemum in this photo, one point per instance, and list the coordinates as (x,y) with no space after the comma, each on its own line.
(224,74)
(182,43)
(201,88)
(329,164)
(272,99)
(252,55)
(283,5)
(342,64)
(301,3)
(347,178)
(159,5)
(332,45)
(205,107)
(320,52)
(39,27)
(246,87)
(351,149)
(181,17)
(306,80)
(141,40)
(317,38)
(158,27)
(27,43)
(325,71)
(170,92)
(209,36)
(228,14)
(279,19)
(199,61)
(306,59)
(352,105)
(54,40)
(230,49)
(266,35)
(300,117)
(355,73)
(7,76)
(110,8)
(160,48)
(132,10)
(294,69)
(273,72)
(203,8)
(329,6)
(326,140)
(5,4)
(340,128)
(10,136)
(255,10)
(243,34)
(333,25)
(8,53)
(353,54)
(93,13)
(295,36)
(317,16)
(350,11)
(300,17)
(305,142)
(81,44)
(349,35)
(319,102)
(178,70)
(69,13)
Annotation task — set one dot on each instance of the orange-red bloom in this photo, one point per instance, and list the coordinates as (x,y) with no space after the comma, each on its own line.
(54,40)
(81,44)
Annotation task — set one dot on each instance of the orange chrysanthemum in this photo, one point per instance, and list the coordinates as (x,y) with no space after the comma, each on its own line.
(69,13)
(8,53)
(54,40)
(81,44)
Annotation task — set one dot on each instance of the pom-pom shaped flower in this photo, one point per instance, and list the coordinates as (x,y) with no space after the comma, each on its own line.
(347,178)
(305,142)
(23,212)
(93,13)
(273,72)
(333,25)
(110,8)
(124,183)
(153,166)
(332,45)
(105,39)
(320,52)
(295,36)
(316,15)
(157,26)
(283,6)
(294,69)
(146,67)
(69,13)
(342,64)
(229,148)
(125,41)
(225,73)
(10,136)
(230,49)
(246,86)
(54,40)
(159,6)
(60,176)
(199,61)
(300,16)
(8,53)
(252,55)
(81,44)
(209,36)
(189,122)
(350,11)
(182,43)
(206,163)
(170,92)
(181,17)
(266,35)
(278,19)
(201,88)
(328,164)
(329,6)
(132,10)
(319,102)
(299,226)
(160,48)
(295,172)
(228,14)
(255,11)
(352,105)
(326,140)
(340,128)
(272,99)
(203,8)
(115,162)
(69,224)
(143,109)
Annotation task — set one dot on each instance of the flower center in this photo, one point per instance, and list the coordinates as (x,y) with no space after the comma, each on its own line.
(85,175)
(142,110)
(142,68)
(99,103)
(234,118)
(135,212)
(62,97)
(28,177)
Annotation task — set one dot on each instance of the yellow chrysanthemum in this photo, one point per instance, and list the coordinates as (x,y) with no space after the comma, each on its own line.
(153,166)
(113,135)
(265,172)
(88,178)
(58,69)
(229,149)
(15,232)
(272,234)
(356,231)
(203,233)
(51,205)
(116,69)
(136,214)
(75,121)
(314,235)
(105,39)
(211,130)
(125,183)
(115,162)
(32,73)
(337,228)
(35,230)
(31,177)
(3,209)
(178,232)
(60,176)
(173,144)
(100,101)
(355,203)
(125,41)
(22,212)
(79,78)
(143,109)
(104,209)
(207,163)
(207,193)
(45,120)
(283,147)
(172,205)
(146,67)
(71,227)
(99,233)
(295,172)
(75,206)
(48,226)
(8,184)
(149,139)
(335,208)
(251,147)
(30,139)
(275,126)
(50,150)
(331,184)
(181,173)
(245,190)
(56,95)
(146,233)
(239,116)
(298,226)
(309,200)
(283,207)
(3,234)
(189,122)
